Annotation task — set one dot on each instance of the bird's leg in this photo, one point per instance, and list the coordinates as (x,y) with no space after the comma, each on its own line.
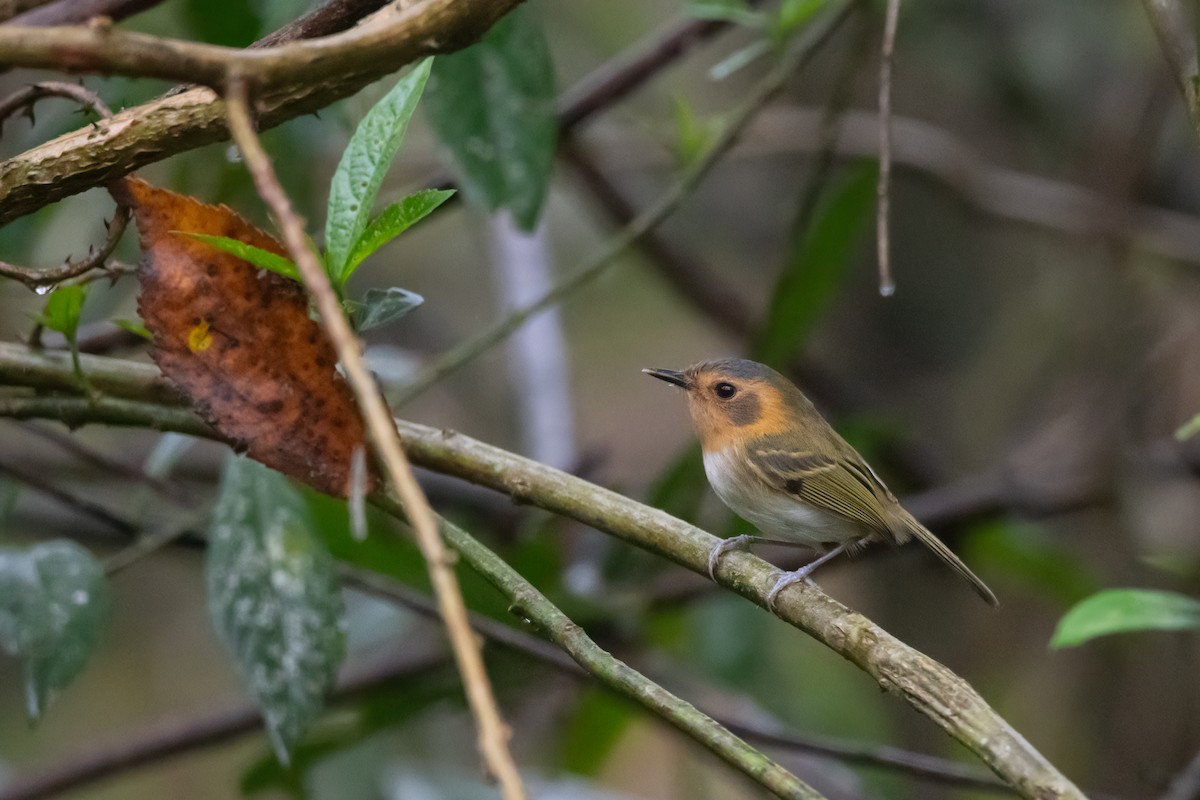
(788,578)
(740,543)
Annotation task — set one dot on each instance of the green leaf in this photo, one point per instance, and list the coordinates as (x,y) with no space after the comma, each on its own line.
(54,603)
(273,598)
(255,255)
(693,135)
(63,308)
(393,221)
(792,14)
(382,306)
(1188,429)
(816,267)
(134,326)
(364,164)
(1123,610)
(492,105)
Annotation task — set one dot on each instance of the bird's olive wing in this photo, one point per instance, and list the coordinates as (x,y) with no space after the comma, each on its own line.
(848,488)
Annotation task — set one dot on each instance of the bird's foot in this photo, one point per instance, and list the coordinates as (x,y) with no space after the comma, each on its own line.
(732,543)
(787,579)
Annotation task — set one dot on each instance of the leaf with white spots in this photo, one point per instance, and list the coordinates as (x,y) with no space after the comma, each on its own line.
(273,598)
(54,603)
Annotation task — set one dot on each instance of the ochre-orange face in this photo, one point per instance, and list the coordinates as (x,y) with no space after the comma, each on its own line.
(730,401)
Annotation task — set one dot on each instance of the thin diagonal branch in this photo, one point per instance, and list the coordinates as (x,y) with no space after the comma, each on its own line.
(493,733)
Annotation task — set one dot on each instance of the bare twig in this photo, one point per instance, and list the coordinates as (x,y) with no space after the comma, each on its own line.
(883,188)
(40,279)
(794,59)
(493,733)
(24,99)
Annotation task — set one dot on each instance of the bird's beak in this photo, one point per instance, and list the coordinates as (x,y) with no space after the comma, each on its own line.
(670,376)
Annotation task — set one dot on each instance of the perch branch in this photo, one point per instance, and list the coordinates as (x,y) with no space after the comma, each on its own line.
(928,686)
(493,733)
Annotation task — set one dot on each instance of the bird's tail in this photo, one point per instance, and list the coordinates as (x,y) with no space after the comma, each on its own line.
(911,527)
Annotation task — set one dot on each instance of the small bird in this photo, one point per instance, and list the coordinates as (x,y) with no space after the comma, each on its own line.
(772,458)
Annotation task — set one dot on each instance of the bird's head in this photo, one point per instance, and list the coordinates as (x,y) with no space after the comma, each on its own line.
(734,399)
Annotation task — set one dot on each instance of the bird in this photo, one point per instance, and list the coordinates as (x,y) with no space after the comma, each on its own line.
(774,460)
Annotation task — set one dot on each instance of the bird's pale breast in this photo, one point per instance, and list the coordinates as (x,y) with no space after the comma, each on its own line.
(776,515)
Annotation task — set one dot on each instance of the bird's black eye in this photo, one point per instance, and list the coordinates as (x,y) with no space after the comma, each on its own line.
(726,390)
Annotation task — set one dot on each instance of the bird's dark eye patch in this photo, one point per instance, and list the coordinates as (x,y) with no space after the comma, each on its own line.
(725,390)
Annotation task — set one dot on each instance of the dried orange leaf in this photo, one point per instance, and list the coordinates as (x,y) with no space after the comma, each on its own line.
(238,342)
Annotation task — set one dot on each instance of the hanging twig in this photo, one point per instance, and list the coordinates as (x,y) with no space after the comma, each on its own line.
(493,733)
(883,188)
(41,279)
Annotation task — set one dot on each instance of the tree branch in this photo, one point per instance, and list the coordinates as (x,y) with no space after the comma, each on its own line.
(931,688)
(336,66)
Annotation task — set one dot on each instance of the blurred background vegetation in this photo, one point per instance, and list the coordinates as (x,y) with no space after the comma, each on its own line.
(1021,387)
